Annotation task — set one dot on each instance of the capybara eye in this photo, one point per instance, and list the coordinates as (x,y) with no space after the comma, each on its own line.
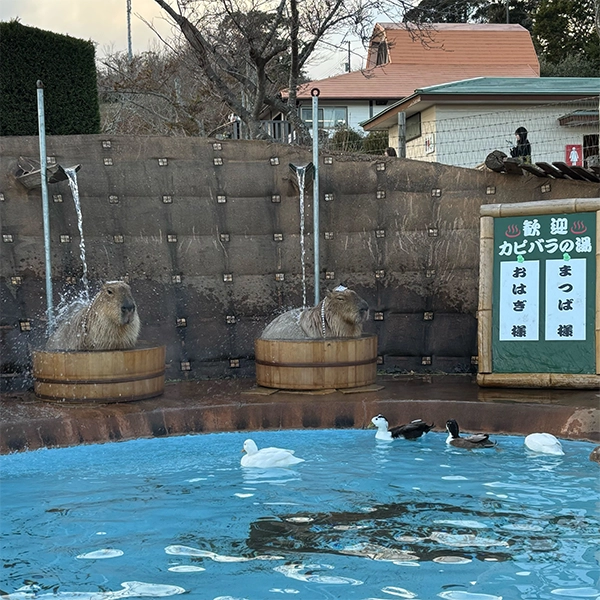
(109,291)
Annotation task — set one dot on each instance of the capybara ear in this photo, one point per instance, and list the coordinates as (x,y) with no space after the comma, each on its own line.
(338,288)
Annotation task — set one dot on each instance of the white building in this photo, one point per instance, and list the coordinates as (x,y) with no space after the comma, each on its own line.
(460,123)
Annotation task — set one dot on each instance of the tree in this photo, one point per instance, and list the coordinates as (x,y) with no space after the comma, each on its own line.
(520,12)
(159,92)
(243,51)
(566,28)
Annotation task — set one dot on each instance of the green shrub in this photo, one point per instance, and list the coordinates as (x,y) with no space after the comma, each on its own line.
(66,67)
(376,142)
(346,140)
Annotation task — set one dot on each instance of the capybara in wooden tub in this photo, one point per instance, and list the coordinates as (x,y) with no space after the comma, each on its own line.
(318,348)
(340,314)
(110,321)
(91,356)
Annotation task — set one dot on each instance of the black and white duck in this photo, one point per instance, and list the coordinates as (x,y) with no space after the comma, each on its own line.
(478,440)
(410,431)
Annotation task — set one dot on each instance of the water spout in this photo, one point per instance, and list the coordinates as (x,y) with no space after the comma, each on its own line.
(71,173)
(302,171)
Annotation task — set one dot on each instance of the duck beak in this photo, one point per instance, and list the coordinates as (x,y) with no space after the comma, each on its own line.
(371,425)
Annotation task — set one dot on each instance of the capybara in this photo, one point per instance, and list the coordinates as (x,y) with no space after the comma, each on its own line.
(109,322)
(340,314)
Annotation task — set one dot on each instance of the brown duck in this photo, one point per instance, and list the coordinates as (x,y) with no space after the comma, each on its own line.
(478,440)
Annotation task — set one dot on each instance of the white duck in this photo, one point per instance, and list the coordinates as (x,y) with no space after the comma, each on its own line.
(266,458)
(544,443)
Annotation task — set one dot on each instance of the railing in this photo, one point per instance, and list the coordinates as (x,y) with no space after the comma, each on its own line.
(278,131)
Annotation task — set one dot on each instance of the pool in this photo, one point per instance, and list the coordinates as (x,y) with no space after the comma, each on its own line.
(359,519)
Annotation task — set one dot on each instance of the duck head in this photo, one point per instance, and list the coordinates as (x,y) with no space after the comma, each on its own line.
(452,429)
(250,447)
(380,422)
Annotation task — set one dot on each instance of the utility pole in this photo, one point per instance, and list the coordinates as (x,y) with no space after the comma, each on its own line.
(129,53)
(348,67)
(507,18)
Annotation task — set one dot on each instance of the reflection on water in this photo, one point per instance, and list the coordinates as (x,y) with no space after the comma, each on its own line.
(359,520)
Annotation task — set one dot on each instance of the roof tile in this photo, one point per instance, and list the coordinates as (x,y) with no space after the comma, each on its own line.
(446,52)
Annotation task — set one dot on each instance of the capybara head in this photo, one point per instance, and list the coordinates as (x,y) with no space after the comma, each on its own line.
(347,306)
(116,303)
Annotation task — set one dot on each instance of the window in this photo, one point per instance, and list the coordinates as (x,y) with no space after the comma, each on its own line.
(590,149)
(330,117)
(413,127)
(382,54)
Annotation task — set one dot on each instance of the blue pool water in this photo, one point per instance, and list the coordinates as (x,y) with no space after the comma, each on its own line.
(359,519)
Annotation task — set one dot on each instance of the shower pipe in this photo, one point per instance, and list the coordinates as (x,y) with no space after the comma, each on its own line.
(316,233)
(45,209)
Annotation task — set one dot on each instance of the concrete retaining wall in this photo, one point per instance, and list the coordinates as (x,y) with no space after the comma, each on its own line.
(197,241)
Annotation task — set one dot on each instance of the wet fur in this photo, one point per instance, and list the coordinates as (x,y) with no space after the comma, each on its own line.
(109,322)
(344,311)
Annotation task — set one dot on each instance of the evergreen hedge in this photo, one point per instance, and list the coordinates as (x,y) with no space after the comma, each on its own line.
(65,65)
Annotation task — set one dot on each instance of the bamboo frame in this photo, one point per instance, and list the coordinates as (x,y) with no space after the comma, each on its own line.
(486,377)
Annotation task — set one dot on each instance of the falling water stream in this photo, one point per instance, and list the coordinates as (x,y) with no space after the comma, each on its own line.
(301,175)
(71,173)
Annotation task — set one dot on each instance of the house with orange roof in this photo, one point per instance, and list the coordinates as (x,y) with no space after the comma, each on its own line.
(402,58)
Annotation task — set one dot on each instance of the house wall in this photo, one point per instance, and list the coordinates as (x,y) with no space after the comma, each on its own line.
(465,135)
(357,111)
(416,148)
(213,237)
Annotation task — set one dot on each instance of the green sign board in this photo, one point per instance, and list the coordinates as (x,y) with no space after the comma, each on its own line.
(543,306)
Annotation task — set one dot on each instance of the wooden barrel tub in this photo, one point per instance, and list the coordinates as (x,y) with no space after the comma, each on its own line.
(105,376)
(316,364)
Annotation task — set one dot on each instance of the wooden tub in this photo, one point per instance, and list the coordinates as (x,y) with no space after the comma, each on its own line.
(316,364)
(105,376)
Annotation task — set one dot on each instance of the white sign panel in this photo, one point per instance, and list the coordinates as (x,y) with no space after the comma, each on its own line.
(519,300)
(429,143)
(565,299)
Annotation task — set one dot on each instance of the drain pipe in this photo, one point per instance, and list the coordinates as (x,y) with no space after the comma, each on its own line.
(45,209)
(316,228)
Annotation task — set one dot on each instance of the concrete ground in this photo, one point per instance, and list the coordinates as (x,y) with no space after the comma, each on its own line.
(237,404)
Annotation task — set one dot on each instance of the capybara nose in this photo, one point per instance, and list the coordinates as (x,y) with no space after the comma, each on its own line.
(127,312)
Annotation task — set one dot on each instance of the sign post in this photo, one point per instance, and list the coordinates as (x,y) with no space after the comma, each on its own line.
(539,301)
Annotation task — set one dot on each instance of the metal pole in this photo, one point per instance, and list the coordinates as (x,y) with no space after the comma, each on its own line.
(349,68)
(402,134)
(129,53)
(316,233)
(45,209)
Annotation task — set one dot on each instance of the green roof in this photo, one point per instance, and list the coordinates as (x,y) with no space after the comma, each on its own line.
(517,85)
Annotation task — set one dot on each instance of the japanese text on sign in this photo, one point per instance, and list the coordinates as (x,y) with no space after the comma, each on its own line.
(563,307)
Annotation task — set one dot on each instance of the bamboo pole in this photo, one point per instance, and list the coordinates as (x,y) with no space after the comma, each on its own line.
(486,280)
(542,207)
(598,292)
(539,380)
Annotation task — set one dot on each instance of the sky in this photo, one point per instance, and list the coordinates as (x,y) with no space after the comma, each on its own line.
(105,23)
